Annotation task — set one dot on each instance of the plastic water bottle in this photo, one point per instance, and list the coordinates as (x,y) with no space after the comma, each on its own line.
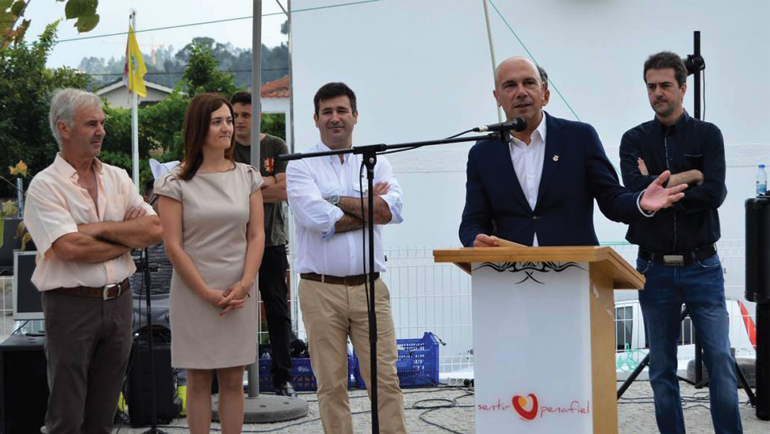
(761,180)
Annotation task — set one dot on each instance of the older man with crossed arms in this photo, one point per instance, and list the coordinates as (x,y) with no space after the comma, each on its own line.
(85,216)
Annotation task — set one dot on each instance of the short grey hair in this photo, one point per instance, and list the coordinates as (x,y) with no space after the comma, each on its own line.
(63,105)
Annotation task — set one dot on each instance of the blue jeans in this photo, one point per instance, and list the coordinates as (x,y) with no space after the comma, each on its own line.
(700,286)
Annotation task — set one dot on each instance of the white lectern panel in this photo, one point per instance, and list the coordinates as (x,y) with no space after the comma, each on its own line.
(532,349)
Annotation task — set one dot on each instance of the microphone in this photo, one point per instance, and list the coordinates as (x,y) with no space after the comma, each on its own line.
(517,124)
(289,157)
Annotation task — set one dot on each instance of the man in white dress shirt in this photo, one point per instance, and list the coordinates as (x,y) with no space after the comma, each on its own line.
(325,195)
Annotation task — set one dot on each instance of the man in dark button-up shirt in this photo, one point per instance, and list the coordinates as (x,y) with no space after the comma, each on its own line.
(694,153)
(676,245)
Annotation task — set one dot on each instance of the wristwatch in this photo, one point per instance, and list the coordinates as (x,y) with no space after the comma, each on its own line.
(334,199)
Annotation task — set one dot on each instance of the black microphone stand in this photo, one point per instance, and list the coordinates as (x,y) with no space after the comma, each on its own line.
(369,154)
(695,64)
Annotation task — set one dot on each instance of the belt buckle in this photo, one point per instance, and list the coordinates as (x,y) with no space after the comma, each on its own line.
(106,290)
(673,260)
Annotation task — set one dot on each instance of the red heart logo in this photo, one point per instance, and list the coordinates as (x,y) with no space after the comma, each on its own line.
(519,404)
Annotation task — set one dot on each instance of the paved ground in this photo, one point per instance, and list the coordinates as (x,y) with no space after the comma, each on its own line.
(635,413)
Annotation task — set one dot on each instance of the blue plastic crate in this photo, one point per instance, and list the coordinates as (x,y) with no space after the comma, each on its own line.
(417,363)
(302,373)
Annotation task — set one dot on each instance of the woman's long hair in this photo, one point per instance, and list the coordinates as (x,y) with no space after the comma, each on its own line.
(197,122)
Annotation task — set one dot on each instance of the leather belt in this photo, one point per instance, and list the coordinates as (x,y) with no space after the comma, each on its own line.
(356,280)
(107,292)
(679,259)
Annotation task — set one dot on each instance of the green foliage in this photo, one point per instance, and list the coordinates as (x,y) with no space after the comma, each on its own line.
(84,11)
(162,68)
(165,119)
(25,92)
(167,65)
(202,74)
(11,11)
(275,63)
(274,124)
(160,134)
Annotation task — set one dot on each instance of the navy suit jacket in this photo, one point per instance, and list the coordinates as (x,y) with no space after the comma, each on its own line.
(575,172)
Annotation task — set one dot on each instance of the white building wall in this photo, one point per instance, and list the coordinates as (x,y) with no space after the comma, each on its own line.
(422,70)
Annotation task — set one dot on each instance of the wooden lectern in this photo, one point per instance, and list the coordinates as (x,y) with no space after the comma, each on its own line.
(544,336)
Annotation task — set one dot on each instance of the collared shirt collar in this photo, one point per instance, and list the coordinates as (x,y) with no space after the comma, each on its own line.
(673,128)
(334,158)
(541,130)
(66,169)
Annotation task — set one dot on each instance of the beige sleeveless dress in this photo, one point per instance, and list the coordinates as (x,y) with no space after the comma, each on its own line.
(215,214)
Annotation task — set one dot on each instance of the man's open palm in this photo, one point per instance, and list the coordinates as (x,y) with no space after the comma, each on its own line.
(657,197)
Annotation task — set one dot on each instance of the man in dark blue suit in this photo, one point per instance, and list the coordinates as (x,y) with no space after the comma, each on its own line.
(539,189)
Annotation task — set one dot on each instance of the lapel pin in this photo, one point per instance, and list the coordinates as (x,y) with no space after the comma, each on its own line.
(555,158)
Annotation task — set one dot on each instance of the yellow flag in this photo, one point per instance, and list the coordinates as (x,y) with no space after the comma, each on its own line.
(135,68)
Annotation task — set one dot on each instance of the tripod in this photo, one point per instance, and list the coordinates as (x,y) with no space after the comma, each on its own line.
(646,361)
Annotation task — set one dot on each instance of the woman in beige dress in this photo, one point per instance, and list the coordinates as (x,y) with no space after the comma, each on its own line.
(211,211)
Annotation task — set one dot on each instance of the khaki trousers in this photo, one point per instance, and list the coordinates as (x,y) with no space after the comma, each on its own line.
(331,313)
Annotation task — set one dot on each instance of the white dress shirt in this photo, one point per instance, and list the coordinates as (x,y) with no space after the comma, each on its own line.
(528,164)
(309,182)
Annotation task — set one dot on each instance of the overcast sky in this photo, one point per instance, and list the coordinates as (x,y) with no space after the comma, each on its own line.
(152,14)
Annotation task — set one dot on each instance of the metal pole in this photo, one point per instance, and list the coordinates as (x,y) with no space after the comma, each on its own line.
(698,383)
(290,120)
(491,54)
(697,78)
(370,160)
(20,196)
(262,408)
(256,124)
(290,218)
(134,119)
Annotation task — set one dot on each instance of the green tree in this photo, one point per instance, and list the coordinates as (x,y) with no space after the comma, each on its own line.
(202,75)
(13,28)
(167,67)
(274,124)
(160,134)
(25,92)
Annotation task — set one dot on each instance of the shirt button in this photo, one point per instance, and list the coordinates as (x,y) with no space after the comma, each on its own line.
(535,217)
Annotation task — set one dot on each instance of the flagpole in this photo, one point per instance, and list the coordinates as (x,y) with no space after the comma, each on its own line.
(134,123)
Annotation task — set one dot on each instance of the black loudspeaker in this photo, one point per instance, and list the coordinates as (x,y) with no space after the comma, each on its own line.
(24,389)
(758,291)
(758,249)
(139,391)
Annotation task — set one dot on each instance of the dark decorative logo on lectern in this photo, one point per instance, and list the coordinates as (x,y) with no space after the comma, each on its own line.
(529,268)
